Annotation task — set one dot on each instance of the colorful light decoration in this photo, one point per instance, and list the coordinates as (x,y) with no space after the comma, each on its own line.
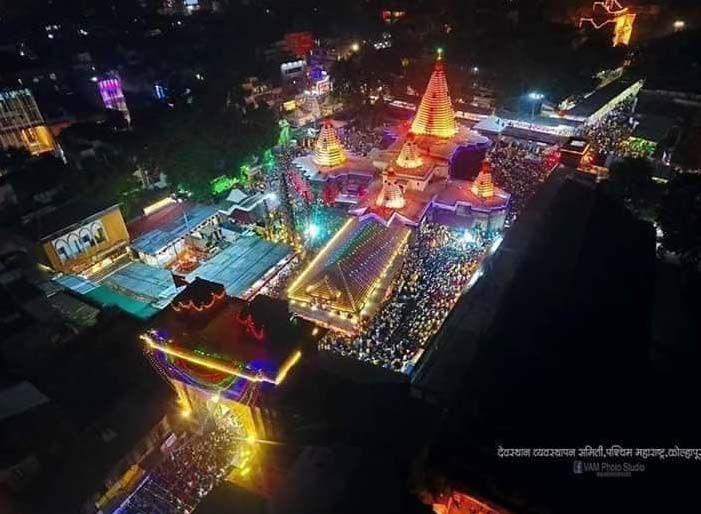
(222,367)
(190,305)
(391,195)
(354,262)
(113,96)
(328,150)
(409,155)
(613,12)
(435,115)
(313,230)
(250,326)
(222,184)
(483,186)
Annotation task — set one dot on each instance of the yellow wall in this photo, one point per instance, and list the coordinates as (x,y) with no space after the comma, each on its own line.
(115,233)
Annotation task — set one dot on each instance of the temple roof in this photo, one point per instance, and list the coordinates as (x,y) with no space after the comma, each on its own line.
(391,194)
(409,155)
(435,115)
(346,270)
(411,213)
(328,150)
(453,192)
(483,186)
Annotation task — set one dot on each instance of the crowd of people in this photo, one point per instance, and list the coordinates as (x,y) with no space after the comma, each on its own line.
(519,168)
(180,481)
(436,268)
(610,133)
(359,141)
(277,286)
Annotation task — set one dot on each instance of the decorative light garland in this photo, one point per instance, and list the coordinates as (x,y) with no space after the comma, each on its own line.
(220,366)
(190,305)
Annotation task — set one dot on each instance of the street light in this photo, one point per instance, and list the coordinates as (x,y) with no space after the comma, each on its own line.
(355,47)
(535,97)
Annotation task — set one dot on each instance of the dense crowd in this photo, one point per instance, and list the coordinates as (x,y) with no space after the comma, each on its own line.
(180,481)
(436,268)
(277,286)
(359,141)
(609,134)
(519,168)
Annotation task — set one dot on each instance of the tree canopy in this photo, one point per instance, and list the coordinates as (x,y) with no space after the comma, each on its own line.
(194,144)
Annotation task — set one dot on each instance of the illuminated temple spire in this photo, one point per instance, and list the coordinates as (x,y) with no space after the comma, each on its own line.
(409,155)
(435,116)
(391,195)
(328,150)
(483,186)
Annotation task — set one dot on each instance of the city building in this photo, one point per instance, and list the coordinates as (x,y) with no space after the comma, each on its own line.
(223,354)
(611,12)
(109,86)
(78,236)
(177,231)
(245,266)
(573,151)
(22,124)
(603,100)
(433,177)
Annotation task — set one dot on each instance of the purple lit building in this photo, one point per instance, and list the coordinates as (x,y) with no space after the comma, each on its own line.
(110,87)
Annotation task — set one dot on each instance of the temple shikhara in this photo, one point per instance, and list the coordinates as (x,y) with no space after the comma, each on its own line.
(328,151)
(435,172)
(435,116)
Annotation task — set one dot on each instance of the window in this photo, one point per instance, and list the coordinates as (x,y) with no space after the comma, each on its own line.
(99,235)
(62,253)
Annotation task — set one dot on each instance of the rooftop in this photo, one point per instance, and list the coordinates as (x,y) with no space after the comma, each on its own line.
(154,232)
(351,166)
(600,98)
(68,216)
(239,266)
(345,272)
(232,337)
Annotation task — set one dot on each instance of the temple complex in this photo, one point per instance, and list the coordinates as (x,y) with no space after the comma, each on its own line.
(414,181)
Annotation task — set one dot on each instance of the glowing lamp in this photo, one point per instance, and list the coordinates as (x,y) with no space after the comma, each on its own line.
(312,230)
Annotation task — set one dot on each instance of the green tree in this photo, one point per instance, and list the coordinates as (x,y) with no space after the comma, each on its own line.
(195,144)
